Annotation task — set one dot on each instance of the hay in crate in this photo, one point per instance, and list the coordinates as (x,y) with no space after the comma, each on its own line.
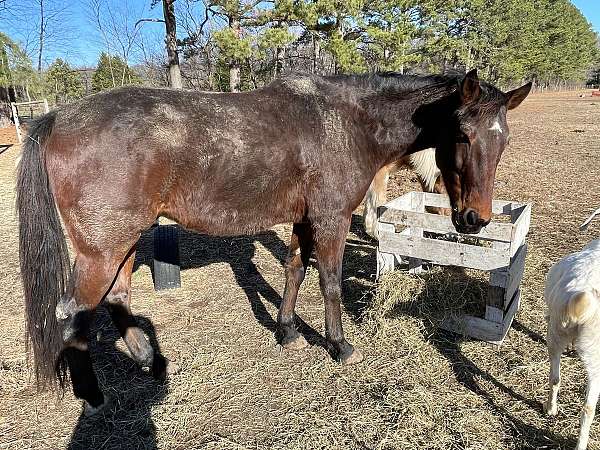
(433,295)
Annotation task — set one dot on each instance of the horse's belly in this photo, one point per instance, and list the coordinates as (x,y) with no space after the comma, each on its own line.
(227,219)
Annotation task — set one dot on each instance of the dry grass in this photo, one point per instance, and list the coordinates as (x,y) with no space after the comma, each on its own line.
(417,388)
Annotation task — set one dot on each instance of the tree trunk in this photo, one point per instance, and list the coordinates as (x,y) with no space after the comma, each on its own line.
(279,55)
(234,66)
(171,40)
(316,53)
(5,110)
(41,37)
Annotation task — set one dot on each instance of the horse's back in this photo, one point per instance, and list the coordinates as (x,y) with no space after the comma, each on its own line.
(216,163)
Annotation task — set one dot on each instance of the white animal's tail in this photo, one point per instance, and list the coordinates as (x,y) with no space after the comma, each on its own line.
(585,224)
(580,308)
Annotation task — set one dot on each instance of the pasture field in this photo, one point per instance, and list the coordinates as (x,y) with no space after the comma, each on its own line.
(418,388)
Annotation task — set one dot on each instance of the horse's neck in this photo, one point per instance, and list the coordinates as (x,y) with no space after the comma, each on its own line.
(393,130)
(399,125)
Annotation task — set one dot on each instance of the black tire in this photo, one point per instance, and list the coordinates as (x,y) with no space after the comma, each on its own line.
(166,257)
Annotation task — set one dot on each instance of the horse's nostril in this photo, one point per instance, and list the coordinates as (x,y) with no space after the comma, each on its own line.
(471,217)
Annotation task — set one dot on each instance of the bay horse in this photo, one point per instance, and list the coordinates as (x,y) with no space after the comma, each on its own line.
(302,150)
(429,176)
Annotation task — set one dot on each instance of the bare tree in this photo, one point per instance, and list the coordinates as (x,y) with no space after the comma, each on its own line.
(45,25)
(195,17)
(117,24)
(170,41)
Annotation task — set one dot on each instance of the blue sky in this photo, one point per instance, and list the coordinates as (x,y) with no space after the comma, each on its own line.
(79,41)
(591,10)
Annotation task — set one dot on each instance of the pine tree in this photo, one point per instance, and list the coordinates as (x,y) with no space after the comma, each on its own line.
(391,29)
(335,23)
(63,83)
(276,36)
(112,72)
(235,47)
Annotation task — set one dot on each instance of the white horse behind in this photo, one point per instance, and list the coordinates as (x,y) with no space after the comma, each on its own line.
(423,164)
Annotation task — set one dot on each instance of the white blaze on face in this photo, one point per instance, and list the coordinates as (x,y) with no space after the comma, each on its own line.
(496,126)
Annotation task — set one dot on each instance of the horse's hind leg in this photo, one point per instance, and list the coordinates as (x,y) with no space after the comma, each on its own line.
(118,301)
(330,239)
(301,245)
(90,280)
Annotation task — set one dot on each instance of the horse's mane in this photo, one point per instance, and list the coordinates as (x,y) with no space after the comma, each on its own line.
(396,82)
(430,87)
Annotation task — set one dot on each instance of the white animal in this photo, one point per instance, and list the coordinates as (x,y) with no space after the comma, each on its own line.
(429,175)
(572,295)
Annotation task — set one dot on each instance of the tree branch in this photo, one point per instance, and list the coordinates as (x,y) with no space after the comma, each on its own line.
(148,20)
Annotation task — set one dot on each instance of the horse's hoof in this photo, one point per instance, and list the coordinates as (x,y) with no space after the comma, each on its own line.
(298,343)
(353,357)
(89,410)
(550,410)
(162,367)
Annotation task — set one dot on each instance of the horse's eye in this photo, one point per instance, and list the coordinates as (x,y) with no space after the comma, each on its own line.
(462,138)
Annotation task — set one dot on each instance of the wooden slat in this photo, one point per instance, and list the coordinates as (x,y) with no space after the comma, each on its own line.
(443,252)
(494,314)
(415,265)
(443,224)
(32,103)
(484,330)
(386,262)
(402,202)
(499,277)
(521,228)
(515,304)
(515,273)
(474,327)
(494,302)
(442,201)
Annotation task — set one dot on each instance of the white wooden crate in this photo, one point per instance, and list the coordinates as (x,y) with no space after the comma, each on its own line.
(401,226)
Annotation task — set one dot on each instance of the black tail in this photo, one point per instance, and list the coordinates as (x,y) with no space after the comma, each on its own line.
(45,266)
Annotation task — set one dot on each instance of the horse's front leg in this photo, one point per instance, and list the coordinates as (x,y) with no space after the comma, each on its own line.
(330,239)
(296,264)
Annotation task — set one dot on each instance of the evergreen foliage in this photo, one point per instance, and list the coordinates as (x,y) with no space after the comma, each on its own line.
(548,41)
(63,84)
(112,72)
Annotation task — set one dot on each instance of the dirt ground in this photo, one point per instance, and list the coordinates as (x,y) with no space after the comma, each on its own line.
(418,388)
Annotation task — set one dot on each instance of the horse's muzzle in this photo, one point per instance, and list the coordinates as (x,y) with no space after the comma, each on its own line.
(468,221)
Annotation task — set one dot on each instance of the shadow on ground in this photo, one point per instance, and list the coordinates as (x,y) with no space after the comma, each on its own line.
(198,251)
(473,378)
(126,422)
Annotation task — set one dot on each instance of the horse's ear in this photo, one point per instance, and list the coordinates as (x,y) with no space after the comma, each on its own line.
(515,97)
(470,87)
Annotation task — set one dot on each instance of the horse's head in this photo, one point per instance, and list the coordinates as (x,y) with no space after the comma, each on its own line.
(469,147)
